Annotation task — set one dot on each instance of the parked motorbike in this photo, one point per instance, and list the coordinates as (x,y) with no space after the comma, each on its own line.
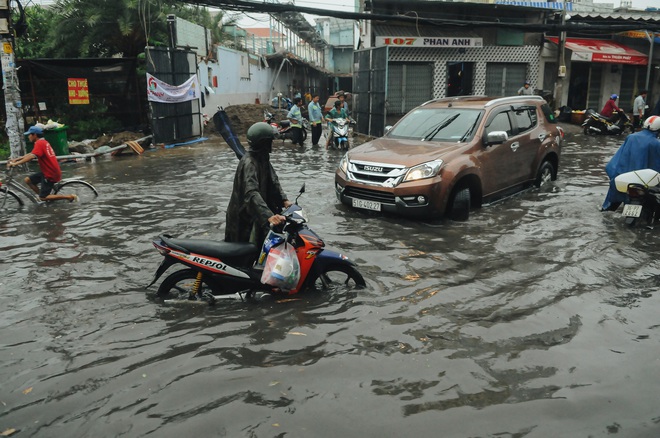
(283,127)
(643,190)
(217,269)
(594,123)
(341,131)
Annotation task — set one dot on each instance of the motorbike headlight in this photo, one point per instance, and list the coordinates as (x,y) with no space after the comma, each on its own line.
(422,171)
(343,164)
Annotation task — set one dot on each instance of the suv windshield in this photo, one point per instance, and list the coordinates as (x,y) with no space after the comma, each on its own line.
(437,124)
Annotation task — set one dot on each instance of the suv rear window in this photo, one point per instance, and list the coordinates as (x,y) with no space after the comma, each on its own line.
(437,124)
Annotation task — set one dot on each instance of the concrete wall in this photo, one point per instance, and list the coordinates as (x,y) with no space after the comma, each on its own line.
(241,78)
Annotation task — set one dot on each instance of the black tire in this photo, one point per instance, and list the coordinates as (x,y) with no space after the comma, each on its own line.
(84,190)
(304,135)
(460,204)
(545,174)
(178,286)
(336,276)
(9,200)
(631,221)
(586,130)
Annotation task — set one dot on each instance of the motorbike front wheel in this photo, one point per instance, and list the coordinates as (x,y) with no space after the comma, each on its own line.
(180,286)
(334,276)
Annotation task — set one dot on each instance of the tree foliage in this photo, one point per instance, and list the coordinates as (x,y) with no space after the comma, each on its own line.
(105,28)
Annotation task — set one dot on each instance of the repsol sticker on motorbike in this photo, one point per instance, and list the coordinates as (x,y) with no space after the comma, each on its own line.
(213,265)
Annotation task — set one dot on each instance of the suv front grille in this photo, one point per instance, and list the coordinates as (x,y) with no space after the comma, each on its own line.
(381,174)
(369,195)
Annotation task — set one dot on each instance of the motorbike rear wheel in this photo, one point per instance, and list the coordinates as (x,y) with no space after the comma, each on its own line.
(334,276)
(179,286)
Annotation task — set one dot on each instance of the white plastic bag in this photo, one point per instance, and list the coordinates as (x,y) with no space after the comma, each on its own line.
(282,268)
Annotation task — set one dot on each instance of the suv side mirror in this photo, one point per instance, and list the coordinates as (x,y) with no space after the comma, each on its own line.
(496,137)
(388,128)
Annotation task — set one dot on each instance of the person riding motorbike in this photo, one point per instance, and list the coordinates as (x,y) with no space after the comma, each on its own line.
(257,197)
(610,107)
(640,150)
(338,112)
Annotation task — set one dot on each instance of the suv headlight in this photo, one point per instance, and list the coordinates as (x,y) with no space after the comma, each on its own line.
(422,171)
(343,164)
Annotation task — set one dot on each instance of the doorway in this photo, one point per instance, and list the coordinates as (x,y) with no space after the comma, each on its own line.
(459,78)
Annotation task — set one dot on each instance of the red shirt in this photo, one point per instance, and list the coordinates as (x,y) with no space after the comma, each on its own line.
(48,163)
(609,108)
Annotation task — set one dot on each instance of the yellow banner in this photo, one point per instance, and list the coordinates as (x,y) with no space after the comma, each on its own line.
(637,34)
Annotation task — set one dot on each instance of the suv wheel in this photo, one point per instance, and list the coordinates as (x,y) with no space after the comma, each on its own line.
(460,205)
(545,174)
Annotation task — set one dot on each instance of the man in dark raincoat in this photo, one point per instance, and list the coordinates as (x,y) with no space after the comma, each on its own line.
(257,197)
(640,150)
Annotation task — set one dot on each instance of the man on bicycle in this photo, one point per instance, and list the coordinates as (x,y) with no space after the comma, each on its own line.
(48,164)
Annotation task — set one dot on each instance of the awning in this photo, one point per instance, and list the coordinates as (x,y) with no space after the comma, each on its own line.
(606,51)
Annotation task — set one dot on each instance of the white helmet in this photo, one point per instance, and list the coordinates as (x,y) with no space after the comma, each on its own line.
(652,123)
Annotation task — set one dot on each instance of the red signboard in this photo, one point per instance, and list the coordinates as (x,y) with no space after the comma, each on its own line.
(78,91)
(606,51)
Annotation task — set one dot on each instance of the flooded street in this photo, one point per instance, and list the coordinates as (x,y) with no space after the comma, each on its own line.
(536,318)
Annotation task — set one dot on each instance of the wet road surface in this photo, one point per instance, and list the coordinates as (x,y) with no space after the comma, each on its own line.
(536,318)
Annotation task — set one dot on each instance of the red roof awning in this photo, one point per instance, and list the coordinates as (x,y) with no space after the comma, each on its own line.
(607,51)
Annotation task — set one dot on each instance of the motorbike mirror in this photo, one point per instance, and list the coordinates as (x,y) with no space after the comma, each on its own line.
(302,190)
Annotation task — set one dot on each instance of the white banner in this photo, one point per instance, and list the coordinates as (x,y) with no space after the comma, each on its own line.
(159,91)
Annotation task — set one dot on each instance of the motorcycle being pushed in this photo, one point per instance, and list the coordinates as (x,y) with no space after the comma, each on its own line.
(341,131)
(594,123)
(218,269)
(283,127)
(643,190)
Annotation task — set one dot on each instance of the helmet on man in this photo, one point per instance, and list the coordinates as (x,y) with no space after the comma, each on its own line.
(652,123)
(260,134)
(614,96)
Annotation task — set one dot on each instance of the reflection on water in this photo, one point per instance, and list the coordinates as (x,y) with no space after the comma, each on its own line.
(535,318)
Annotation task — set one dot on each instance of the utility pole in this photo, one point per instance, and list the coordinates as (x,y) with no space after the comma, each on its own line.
(561,61)
(14,125)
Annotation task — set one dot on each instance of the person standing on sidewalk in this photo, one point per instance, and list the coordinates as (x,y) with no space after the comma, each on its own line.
(315,119)
(639,106)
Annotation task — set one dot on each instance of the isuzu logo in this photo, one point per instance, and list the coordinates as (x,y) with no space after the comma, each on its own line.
(373,169)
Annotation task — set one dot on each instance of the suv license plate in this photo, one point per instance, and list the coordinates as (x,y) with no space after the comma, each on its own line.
(367,205)
(632,210)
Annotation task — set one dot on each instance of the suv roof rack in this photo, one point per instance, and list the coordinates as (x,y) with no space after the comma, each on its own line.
(455,99)
(512,99)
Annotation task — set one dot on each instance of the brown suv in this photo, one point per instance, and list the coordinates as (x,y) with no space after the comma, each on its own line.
(449,155)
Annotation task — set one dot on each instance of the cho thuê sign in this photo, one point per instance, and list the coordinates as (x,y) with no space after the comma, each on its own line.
(78,91)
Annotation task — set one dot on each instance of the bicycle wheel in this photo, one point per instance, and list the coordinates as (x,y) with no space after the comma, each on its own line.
(85,191)
(179,286)
(335,276)
(9,200)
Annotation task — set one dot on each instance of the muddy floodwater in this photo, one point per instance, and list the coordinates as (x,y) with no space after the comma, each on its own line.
(539,317)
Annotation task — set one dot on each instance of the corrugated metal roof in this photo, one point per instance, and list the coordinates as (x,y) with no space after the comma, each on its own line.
(543,5)
(421,31)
